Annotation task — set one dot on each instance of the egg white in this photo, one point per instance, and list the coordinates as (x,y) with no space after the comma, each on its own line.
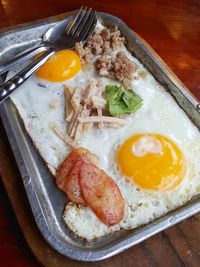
(159,114)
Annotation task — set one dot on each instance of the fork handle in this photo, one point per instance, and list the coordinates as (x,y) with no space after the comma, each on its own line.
(11,85)
(22,57)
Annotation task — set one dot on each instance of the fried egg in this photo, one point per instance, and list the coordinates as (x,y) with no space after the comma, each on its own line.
(61,66)
(152,161)
(154,158)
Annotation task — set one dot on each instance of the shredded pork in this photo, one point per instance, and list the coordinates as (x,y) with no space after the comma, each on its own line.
(63,136)
(84,110)
(68,92)
(94,119)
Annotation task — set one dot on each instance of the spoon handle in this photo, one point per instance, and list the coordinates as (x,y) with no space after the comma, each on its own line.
(22,58)
(11,85)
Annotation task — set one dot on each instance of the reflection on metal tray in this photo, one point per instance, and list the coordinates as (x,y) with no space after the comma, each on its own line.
(38,182)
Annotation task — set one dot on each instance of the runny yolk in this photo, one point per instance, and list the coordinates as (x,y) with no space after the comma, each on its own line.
(61,66)
(152,161)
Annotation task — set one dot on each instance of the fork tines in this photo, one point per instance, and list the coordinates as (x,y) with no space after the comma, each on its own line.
(84,17)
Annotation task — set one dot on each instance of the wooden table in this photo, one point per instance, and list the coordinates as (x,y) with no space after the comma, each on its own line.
(172,28)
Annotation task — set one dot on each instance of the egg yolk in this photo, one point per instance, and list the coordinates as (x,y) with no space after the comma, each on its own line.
(61,66)
(152,161)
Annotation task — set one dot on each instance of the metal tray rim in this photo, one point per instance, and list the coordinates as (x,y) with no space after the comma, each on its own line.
(164,223)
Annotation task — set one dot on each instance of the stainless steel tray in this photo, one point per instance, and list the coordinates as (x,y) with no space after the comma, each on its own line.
(46,201)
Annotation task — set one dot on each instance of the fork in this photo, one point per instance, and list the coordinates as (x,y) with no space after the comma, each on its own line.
(50,38)
(78,30)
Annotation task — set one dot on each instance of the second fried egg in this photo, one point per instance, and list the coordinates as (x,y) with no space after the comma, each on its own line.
(152,161)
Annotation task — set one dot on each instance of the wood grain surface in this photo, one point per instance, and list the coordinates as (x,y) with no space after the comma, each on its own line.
(172,28)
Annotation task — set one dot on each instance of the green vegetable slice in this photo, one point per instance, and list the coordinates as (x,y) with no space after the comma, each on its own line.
(120,101)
